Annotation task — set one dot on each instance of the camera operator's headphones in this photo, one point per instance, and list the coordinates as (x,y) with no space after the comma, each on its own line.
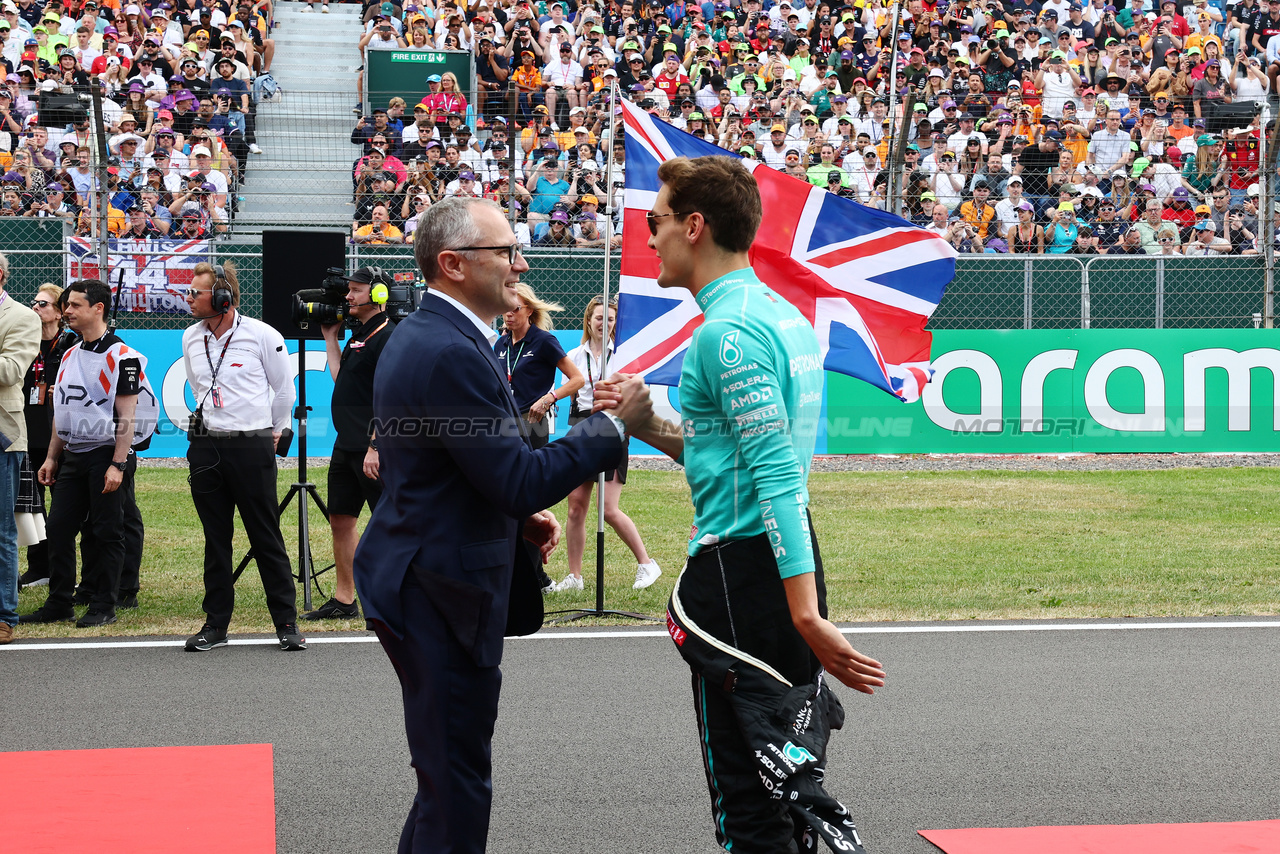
(220,299)
(379,284)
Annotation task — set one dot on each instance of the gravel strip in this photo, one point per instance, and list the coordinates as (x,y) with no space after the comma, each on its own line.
(934,462)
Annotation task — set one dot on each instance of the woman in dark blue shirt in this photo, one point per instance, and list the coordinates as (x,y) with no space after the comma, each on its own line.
(531,355)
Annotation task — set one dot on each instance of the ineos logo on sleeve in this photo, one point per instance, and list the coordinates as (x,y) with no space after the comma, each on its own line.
(730,353)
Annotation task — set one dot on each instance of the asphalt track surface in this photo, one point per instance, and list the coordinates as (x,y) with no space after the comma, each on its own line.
(596,748)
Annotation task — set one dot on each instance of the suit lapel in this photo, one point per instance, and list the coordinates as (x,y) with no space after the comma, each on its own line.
(437,306)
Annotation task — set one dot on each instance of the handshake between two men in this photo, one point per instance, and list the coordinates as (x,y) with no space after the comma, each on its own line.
(626,398)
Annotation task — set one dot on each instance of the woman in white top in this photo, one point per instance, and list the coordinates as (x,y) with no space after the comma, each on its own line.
(590,360)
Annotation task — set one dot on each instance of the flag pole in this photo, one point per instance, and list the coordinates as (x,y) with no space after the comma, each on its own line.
(573,614)
(894,125)
(604,338)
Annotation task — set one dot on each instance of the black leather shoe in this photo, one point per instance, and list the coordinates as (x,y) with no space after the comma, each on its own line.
(93,618)
(46,614)
(334,610)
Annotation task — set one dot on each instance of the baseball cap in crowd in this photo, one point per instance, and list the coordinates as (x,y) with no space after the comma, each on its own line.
(1203,210)
(466,176)
(560,216)
(1180,194)
(1025,206)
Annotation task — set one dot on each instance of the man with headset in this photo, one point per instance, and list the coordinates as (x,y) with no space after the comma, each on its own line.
(243,386)
(353,469)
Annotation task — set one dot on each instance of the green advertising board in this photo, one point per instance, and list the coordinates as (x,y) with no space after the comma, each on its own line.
(1074,391)
(404,73)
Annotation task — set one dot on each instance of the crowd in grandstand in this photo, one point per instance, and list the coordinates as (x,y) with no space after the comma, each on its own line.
(1029,126)
(175,87)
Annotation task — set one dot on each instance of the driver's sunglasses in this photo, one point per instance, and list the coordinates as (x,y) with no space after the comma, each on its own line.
(651,219)
(40,303)
(512,251)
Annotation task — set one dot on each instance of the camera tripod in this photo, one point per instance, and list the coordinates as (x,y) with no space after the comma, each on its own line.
(302,489)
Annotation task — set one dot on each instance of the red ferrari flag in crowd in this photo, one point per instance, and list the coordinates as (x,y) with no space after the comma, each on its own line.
(867,280)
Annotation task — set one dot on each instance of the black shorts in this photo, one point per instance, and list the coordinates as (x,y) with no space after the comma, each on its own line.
(621,471)
(349,489)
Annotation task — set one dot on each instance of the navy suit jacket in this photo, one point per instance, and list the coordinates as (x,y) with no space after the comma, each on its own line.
(458,483)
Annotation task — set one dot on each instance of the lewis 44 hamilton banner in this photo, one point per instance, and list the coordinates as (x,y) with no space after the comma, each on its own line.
(867,280)
(156,272)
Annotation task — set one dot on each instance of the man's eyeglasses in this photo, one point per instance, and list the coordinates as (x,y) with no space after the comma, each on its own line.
(652,218)
(513,251)
(40,303)
(1166,240)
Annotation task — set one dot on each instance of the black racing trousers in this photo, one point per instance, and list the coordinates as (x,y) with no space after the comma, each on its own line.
(733,591)
(233,473)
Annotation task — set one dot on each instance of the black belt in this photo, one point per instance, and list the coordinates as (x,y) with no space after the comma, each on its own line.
(265,433)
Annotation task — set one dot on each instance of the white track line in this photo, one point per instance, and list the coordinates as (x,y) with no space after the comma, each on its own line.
(889,629)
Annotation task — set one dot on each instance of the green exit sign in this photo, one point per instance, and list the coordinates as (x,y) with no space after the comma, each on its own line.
(418,57)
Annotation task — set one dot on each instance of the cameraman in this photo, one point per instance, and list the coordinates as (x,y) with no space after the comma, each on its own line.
(353,469)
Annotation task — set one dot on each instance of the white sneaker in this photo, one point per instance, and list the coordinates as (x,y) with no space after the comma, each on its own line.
(646,574)
(310,7)
(325,8)
(253,149)
(571,582)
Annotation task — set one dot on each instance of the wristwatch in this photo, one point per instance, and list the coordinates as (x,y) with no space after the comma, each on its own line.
(122,466)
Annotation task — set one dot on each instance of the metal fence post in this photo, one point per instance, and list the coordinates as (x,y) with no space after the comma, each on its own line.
(1159,318)
(1028,279)
(1084,293)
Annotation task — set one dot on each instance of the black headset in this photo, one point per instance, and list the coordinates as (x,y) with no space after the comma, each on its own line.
(220,299)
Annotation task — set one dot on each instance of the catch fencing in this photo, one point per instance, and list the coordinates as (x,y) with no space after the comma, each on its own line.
(988,292)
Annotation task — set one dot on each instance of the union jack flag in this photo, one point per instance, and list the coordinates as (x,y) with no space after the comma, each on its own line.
(867,280)
(156,271)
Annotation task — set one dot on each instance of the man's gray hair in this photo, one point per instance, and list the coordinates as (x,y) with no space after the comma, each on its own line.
(447,224)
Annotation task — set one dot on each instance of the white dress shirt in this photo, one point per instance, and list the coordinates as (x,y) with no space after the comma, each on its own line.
(491,335)
(254,381)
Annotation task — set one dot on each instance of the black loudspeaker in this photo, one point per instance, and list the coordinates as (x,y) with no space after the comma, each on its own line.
(57,110)
(291,261)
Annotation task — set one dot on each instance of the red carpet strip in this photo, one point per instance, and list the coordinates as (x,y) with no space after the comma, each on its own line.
(147,800)
(1234,837)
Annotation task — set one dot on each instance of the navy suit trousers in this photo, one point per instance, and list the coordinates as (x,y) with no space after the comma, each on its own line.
(450,706)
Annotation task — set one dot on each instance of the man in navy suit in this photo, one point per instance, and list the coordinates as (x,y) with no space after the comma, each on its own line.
(446,565)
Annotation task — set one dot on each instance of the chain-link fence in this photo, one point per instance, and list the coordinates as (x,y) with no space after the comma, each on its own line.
(1124,291)
(988,292)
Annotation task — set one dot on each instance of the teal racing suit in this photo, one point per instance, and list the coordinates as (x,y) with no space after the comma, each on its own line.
(750,399)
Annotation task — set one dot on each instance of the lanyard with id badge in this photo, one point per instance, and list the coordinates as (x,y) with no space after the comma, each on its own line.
(214,395)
